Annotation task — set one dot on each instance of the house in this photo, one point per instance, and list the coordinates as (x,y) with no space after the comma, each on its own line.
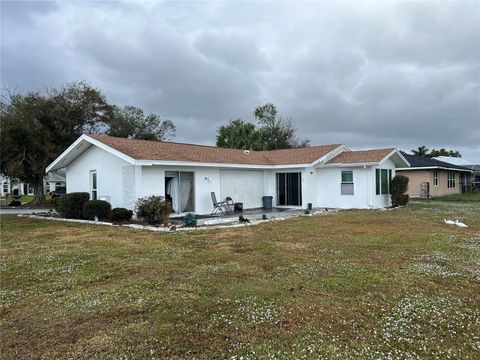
(53,181)
(467,164)
(122,170)
(431,177)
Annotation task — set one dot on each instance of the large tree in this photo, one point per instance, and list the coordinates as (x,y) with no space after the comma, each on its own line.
(131,122)
(36,127)
(276,133)
(238,134)
(271,133)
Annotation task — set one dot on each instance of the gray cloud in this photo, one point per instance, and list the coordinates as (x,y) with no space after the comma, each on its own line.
(368,74)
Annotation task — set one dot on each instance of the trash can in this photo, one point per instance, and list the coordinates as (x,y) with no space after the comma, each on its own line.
(238,207)
(267,202)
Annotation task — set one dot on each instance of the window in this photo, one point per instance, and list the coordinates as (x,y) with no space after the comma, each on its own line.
(382,181)
(5,187)
(451,180)
(347,183)
(93,184)
(435,177)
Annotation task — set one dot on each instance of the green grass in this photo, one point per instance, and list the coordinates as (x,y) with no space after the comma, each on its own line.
(357,284)
(26,198)
(468,196)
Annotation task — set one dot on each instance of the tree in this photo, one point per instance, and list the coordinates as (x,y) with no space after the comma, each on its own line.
(276,133)
(37,127)
(421,151)
(238,134)
(444,152)
(131,122)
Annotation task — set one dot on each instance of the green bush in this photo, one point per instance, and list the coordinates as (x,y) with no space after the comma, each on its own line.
(399,199)
(190,220)
(398,188)
(70,205)
(120,214)
(99,208)
(153,209)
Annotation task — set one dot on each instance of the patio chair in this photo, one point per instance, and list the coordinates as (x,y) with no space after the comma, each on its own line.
(222,206)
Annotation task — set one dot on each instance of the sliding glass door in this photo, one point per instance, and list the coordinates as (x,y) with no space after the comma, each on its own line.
(289,189)
(179,190)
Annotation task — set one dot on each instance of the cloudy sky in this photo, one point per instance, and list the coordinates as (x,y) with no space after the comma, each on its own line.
(364,74)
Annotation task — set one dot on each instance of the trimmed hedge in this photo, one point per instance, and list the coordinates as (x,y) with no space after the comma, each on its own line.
(153,209)
(99,208)
(120,214)
(398,188)
(70,205)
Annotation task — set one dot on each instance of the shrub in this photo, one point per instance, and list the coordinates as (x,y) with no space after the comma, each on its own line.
(153,209)
(99,208)
(71,205)
(120,214)
(400,199)
(15,202)
(398,188)
(190,220)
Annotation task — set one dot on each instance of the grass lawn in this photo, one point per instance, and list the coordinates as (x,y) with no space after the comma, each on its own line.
(26,198)
(468,196)
(358,284)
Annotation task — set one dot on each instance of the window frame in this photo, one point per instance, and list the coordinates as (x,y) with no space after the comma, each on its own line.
(93,185)
(350,183)
(451,180)
(382,175)
(5,187)
(436,179)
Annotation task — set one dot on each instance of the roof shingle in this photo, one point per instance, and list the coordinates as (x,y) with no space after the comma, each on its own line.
(170,151)
(422,161)
(361,156)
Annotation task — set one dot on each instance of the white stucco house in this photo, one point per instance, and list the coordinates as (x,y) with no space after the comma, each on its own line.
(52,181)
(123,170)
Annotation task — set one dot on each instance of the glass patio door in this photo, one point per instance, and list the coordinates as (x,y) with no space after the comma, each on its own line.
(289,189)
(179,189)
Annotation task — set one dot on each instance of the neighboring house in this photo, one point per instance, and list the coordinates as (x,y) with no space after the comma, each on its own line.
(122,170)
(55,181)
(465,163)
(430,177)
(52,182)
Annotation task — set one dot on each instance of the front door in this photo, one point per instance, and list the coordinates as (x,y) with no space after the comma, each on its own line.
(289,189)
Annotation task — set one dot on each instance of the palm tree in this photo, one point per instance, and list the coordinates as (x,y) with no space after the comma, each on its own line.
(421,151)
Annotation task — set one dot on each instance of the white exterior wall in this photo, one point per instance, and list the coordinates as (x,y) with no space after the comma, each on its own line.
(328,182)
(109,174)
(124,183)
(328,185)
(382,200)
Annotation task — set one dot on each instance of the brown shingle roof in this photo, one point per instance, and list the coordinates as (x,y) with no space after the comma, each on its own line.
(170,151)
(361,156)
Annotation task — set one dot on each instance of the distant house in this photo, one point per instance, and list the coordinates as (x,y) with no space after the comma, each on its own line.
(465,163)
(122,170)
(53,181)
(431,177)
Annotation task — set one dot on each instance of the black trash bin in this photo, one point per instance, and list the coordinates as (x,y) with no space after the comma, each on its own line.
(238,207)
(267,202)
